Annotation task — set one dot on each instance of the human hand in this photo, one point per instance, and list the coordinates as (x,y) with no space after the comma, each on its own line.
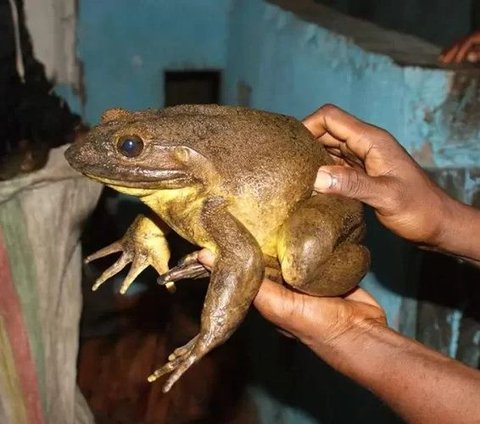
(467,49)
(373,167)
(318,322)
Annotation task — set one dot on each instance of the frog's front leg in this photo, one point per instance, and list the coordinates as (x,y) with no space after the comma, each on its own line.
(143,244)
(187,267)
(236,277)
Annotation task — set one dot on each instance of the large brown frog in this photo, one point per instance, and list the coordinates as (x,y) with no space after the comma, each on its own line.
(233,180)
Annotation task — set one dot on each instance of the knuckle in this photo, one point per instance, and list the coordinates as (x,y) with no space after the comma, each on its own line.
(328,109)
(381,136)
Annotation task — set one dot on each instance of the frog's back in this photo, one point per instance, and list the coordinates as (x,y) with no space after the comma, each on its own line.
(260,154)
(267,162)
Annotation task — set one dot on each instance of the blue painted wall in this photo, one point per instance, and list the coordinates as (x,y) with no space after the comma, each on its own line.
(294,66)
(126,45)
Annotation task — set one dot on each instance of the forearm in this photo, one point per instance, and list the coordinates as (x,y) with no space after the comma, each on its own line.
(460,233)
(421,385)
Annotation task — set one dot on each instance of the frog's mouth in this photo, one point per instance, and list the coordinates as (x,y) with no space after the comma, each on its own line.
(156,179)
(118,175)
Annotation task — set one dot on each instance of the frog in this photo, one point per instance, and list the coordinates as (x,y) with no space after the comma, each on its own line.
(236,181)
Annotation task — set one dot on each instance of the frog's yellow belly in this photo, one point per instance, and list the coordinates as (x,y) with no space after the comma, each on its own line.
(181,209)
(181,212)
(263,220)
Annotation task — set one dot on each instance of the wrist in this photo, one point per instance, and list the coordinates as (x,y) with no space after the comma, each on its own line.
(460,227)
(337,348)
(445,214)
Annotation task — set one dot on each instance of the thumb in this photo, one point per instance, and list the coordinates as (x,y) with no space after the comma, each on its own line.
(349,182)
(276,304)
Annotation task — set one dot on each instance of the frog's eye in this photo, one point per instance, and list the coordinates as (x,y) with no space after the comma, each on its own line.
(130,146)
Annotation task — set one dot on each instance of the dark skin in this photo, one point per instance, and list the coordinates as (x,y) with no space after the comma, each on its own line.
(237,182)
(350,332)
(465,50)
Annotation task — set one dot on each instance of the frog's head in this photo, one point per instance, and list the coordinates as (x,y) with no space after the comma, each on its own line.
(134,152)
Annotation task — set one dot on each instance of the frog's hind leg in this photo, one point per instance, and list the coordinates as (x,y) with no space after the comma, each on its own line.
(319,248)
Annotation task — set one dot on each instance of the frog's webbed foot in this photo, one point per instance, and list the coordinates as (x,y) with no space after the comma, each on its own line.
(187,267)
(180,351)
(142,245)
(180,361)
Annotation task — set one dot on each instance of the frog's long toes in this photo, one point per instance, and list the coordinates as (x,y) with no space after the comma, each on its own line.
(110,272)
(168,367)
(183,350)
(179,361)
(137,267)
(179,366)
(180,370)
(108,250)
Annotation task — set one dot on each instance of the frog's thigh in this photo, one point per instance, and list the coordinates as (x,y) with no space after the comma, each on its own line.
(311,257)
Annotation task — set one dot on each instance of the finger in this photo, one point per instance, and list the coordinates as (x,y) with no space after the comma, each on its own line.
(338,160)
(329,140)
(349,156)
(329,119)
(359,135)
(473,57)
(286,334)
(335,151)
(352,183)
(206,257)
(361,295)
(449,54)
(275,303)
(463,50)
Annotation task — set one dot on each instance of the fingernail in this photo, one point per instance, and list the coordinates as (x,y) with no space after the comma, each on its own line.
(324,181)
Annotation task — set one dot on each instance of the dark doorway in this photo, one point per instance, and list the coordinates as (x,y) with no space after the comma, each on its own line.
(192,87)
